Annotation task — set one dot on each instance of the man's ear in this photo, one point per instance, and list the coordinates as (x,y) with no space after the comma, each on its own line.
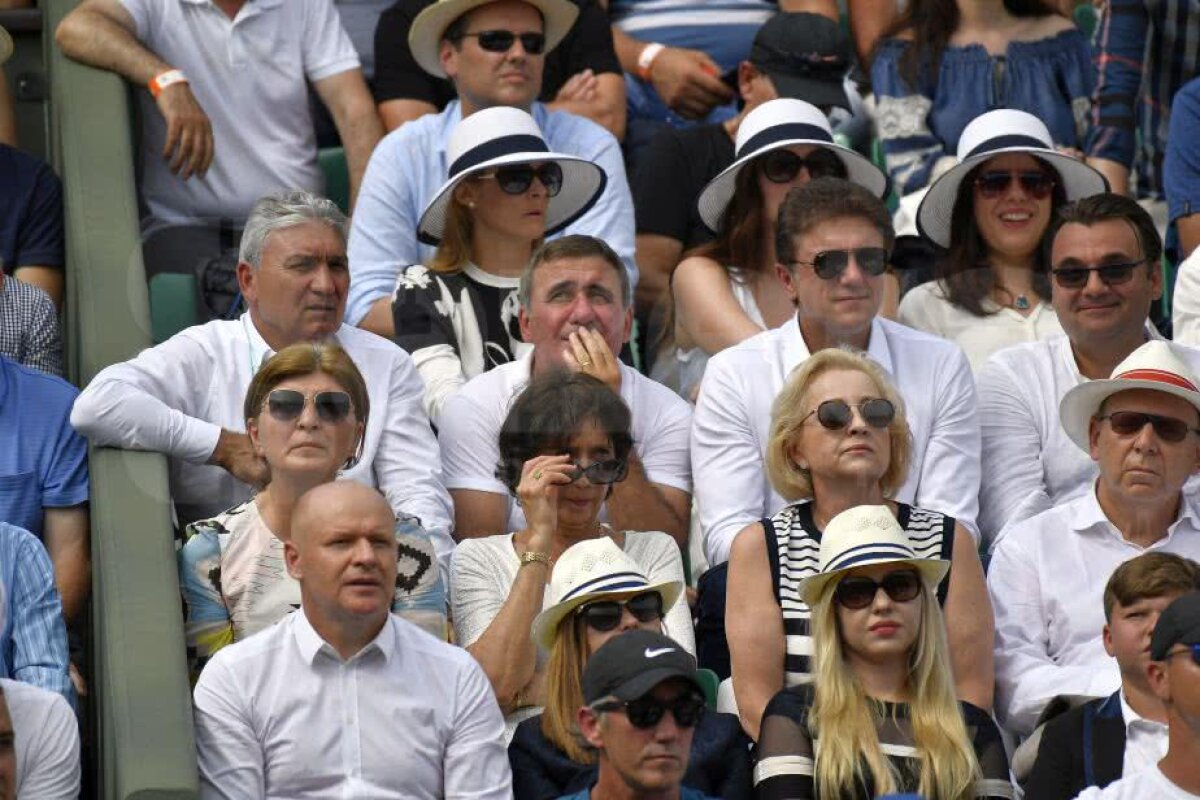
(1094,438)
(448,58)
(1106,635)
(1159,679)
(789,282)
(247,279)
(291,558)
(589,727)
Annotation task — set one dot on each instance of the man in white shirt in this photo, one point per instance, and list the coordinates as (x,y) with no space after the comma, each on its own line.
(39,744)
(1047,576)
(839,230)
(1174,673)
(577,312)
(184,397)
(342,698)
(1029,465)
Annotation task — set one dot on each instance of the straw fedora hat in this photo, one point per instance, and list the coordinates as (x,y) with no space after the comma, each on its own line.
(6,46)
(1004,130)
(504,136)
(591,570)
(425,35)
(774,125)
(1155,365)
(861,537)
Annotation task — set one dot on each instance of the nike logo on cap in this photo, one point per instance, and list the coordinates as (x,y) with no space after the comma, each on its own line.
(656,653)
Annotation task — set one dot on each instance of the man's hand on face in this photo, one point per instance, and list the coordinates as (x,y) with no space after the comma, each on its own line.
(235,454)
(587,352)
(689,82)
(189,144)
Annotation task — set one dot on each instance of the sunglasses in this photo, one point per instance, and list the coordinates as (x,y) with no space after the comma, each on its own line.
(502,41)
(1131,423)
(1110,274)
(1192,649)
(605,615)
(518,179)
(646,711)
(830,264)
(782,166)
(857,591)
(835,415)
(994,183)
(612,470)
(287,405)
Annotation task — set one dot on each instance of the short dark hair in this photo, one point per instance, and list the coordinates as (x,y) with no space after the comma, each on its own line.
(824,199)
(570,247)
(1097,208)
(1147,576)
(551,410)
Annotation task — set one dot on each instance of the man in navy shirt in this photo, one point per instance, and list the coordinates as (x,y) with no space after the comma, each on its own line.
(31,221)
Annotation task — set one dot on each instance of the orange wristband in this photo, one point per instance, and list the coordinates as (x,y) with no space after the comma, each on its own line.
(165,79)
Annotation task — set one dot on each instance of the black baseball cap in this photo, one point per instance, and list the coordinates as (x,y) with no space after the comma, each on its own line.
(630,665)
(806,57)
(1179,623)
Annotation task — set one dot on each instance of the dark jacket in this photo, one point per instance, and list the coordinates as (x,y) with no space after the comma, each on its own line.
(1080,748)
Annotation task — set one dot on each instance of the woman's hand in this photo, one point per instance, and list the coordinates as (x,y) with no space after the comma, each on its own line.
(538,492)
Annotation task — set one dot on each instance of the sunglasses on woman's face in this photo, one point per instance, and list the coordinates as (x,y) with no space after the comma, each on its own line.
(286,405)
(518,179)
(782,166)
(647,710)
(858,591)
(1110,274)
(605,615)
(994,183)
(1130,423)
(835,415)
(502,41)
(830,264)
(612,470)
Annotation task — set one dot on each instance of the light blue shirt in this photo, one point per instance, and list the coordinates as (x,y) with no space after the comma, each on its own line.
(409,166)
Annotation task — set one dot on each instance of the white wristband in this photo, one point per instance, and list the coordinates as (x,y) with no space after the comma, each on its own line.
(646,59)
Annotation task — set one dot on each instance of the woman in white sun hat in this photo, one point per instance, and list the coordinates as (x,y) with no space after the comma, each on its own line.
(881,715)
(990,213)
(505,191)
(728,290)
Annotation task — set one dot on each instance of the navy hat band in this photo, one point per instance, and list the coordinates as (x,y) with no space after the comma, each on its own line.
(784,133)
(495,148)
(1011,140)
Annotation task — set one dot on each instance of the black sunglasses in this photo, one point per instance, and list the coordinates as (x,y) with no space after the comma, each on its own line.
(782,166)
(518,179)
(287,405)
(1130,423)
(857,591)
(1192,649)
(994,183)
(1110,274)
(502,41)
(605,615)
(612,470)
(829,264)
(835,415)
(647,710)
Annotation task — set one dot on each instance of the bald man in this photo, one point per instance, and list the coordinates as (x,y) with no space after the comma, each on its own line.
(343,698)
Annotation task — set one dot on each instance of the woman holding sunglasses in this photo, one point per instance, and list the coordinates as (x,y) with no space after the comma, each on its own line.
(990,213)
(598,592)
(881,714)
(505,192)
(729,289)
(839,438)
(565,441)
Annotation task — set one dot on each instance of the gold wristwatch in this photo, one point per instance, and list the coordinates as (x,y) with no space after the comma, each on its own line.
(532,557)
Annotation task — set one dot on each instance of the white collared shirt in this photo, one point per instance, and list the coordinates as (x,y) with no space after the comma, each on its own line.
(1149,784)
(1145,740)
(281,715)
(732,421)
(46,742)
(1046,580)
(176,397)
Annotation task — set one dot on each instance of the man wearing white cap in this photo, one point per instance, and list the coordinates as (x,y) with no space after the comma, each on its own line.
(1047,577)
(494,52)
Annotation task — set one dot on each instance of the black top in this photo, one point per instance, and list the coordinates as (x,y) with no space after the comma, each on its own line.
(1082,747)
(678,164)
(786,749)
(588,45)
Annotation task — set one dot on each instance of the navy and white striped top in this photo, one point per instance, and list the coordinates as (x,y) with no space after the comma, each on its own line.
(793,548)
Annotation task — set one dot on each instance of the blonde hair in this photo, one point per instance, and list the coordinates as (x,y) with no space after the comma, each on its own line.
(842,721)
(789,411)
(454,250)
(564,690)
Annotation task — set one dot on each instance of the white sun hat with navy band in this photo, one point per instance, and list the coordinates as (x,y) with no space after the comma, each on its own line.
(864,536)
(425,33)
(772,126)
(592,570)
(1155,365)
(1004,130)
(504,136)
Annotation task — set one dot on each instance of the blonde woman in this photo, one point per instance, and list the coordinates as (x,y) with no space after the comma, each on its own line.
(881,715)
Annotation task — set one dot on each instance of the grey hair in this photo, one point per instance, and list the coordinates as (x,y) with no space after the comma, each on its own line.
(570,247)
(275,212)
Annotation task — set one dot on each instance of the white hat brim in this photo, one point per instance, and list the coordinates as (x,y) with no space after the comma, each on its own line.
(932,571)
(933,215)
(715,197)
(583,183)
(425,35)
(1081,403)
(545,625)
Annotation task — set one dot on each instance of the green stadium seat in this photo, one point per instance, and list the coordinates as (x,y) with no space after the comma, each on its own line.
(708,682)
(337,176)
(172,305)
(1086,19)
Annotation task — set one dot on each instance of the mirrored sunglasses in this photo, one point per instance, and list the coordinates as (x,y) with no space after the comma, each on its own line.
(517,179)
(605,615)
(835,415)
(1131,423)
(1110,274)
(858,591)
(286,405)
(782,166)
(830,264)
(497,41)
(994,183)
(646,711)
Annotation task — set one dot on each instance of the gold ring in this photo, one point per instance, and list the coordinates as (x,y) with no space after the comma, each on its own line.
(537,474)
(585,363)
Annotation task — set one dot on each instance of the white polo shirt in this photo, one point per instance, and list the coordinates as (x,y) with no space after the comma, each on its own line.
(732,423)
(47,742)
(1144,785)
(469,430)
(1046,580)
(250,74)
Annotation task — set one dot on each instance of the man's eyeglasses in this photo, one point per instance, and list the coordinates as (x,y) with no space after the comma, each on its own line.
(858,591)
(1110,274)
(611,470)
(994,183)
(517,179)
(782,166)
(835,415)
(647,710)
(286,405)
(605,615)
(1130,423)
(502,41)
(829,264)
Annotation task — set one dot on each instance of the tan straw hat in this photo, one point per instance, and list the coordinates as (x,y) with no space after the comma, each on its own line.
(6,46)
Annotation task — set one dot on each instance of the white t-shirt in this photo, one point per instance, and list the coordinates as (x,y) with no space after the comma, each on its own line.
(47,742)
(1145,740)
(250,74)
(1149,784)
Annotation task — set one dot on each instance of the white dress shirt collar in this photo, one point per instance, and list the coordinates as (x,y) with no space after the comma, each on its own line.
(796,349)
(1136,720)
(257,347)
(311,644)
(1090,516)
